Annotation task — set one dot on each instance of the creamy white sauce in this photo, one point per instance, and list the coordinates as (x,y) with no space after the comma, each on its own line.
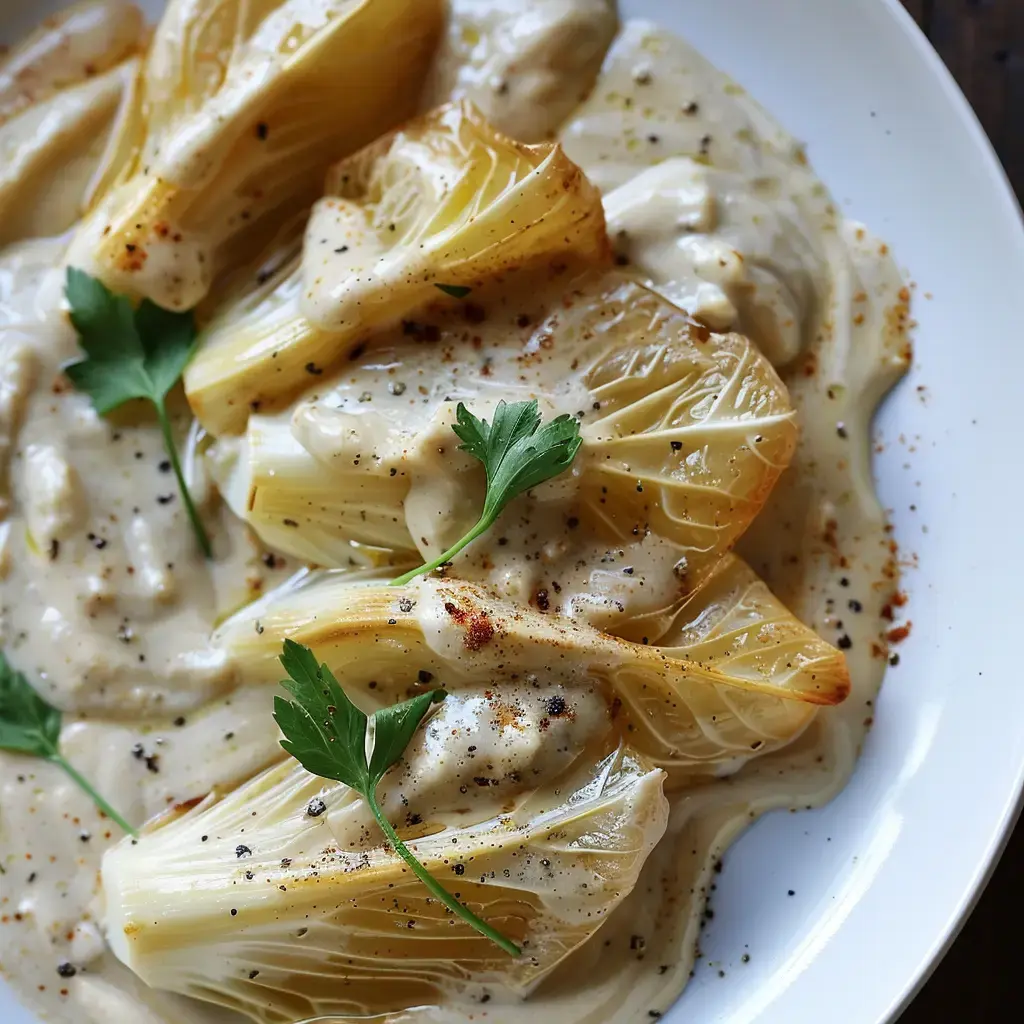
(104,599)
(526,68)
(107,606)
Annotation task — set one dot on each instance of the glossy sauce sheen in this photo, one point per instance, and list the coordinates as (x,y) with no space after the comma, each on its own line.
(106,604)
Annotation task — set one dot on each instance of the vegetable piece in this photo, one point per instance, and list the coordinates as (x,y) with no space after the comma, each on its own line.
(327,734)
(737,675)
(131,355)
(758,264)
(319,918)
(663,461)
(690,433)
(749,263)
(81,42)
(56,155)
(526,72)
(444,201)
(28,725)
(517,453)
(310,508)
(243,106)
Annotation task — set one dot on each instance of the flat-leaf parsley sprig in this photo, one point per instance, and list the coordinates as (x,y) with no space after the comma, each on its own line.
(517,452)
(131,354)
(29,725)
(326,733)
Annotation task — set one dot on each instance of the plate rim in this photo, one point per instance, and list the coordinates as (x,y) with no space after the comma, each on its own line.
(1013,811)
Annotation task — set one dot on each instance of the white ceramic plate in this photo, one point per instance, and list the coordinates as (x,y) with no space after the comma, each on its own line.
(884,876)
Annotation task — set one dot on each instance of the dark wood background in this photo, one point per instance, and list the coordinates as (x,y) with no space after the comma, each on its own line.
(982,42)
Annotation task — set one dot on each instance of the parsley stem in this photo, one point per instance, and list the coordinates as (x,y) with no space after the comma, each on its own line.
(58,759)
(186,497)
(485,522)
(435,886)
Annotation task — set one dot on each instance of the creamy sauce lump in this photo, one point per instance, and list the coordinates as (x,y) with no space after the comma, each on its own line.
(108,607)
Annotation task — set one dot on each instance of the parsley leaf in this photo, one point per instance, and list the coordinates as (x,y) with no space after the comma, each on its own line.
(131,354)
(326,733)
(517,452)
(456,291)
(28,725)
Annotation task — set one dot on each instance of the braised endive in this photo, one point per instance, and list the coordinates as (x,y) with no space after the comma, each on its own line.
(242,108)
(328,735)
(278,900)
(736,675)
(684,434)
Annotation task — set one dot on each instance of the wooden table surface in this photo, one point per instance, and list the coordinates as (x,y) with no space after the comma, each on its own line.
(982,42)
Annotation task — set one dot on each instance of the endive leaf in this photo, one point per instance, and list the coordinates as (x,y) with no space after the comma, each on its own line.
(525,70)
(444,201)
(57,155)
(736,676)
(82,42)
(279,902)
(243,106)
(307,507)
(684,435)
(745,257)
(692,432)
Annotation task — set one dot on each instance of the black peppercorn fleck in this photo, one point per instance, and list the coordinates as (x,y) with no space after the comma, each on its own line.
(556,706)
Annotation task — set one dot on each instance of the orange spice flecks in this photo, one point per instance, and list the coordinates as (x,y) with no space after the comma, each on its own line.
(899,634)
(479,628)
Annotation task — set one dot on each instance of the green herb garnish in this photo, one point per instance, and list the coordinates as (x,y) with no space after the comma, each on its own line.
(131,354)
(28,725)
(326,733)
(517,452)
(456,291)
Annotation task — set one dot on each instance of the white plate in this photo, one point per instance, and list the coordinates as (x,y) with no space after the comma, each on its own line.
(884,875)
